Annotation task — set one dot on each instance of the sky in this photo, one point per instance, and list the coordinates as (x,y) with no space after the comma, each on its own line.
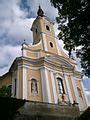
(16,18)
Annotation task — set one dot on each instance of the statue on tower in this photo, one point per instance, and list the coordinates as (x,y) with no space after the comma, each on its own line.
(40,12)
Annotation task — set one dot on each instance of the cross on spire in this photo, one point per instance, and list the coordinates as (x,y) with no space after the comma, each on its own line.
(40,12)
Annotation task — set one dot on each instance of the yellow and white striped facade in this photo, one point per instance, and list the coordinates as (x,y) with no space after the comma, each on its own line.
(35,75)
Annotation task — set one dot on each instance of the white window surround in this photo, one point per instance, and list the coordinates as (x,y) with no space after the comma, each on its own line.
(50,42)
(47,27)
(24,81)
(60,86)
(34,87)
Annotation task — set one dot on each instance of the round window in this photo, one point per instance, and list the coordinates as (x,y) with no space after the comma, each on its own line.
(51,44)
(47,27)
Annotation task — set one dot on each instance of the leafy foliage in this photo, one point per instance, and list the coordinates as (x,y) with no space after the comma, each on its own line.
(73,23)
(9,107)
(85,115)
(5,91)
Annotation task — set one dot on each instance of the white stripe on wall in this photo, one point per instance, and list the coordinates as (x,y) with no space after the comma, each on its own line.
(85,98)
(45,85)
(44,42)
(12,86)
(58,49)
(17,88)
(54,88)
(24,84)
(23,52)
(75,88)
(69,90)
(14,76)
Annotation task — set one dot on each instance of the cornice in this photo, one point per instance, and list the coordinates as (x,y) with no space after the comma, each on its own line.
(45,62)
(78,74)
(31,47)
(58,59)
(48,62)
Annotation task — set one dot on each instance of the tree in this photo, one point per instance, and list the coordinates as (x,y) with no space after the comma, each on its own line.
(5,91)
(85,115)
(9,107)
(73,23)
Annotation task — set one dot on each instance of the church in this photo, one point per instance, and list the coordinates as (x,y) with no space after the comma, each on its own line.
(44,73)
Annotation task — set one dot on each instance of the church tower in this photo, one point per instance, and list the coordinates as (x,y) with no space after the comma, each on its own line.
(43,31)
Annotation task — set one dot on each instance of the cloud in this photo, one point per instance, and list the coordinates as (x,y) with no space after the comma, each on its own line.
(4,70)
(86,82)
(17,32)
(15,26)
(14,21)
(7,55)
(10,9)
(87,93)
(32,6)
(88,96)
(16,17)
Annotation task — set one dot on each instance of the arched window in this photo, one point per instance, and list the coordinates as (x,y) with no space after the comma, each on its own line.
(60,86)
(51,44)
(34,87)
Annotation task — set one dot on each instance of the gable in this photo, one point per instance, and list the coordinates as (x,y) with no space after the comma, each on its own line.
(59,60)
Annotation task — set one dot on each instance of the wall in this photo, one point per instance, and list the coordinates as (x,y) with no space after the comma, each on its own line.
(44,111)
(6,80)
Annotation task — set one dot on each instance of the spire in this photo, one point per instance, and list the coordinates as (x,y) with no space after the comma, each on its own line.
(40,12)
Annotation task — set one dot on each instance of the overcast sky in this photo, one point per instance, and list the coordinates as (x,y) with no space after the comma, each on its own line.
(16,18)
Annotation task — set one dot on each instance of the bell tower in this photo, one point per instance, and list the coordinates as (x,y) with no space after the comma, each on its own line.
(43,31)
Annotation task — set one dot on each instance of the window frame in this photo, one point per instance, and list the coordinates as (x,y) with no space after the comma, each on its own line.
(51,44)
(47,28)
(61,89)
(34,83)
